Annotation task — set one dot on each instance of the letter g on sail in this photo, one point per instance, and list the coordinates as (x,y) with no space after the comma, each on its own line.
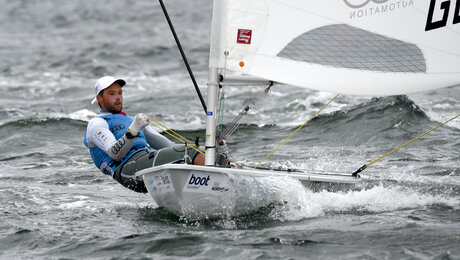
(362,3)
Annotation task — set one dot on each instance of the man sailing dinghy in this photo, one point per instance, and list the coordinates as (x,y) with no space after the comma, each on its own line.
(121,145)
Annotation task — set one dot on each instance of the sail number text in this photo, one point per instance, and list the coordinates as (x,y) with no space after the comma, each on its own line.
(444,8)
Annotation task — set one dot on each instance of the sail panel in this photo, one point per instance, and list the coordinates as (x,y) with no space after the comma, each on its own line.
(371,48)
(344,46)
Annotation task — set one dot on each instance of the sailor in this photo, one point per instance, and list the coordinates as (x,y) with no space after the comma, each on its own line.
(121,145)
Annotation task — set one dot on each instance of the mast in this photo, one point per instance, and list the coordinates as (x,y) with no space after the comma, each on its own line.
(215,51)
(211,117)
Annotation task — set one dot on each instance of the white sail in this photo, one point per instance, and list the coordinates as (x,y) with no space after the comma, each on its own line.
(356,47)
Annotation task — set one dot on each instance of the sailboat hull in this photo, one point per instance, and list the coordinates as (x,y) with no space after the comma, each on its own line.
(200,192)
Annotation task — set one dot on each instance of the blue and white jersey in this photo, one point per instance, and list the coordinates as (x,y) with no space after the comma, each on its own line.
(103,131)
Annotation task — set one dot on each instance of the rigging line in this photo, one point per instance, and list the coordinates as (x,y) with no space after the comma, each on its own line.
(355,174)
(175,135)
(183,55)
(171,133)
(198,149)
(220,117)
(297,130)
(234,124)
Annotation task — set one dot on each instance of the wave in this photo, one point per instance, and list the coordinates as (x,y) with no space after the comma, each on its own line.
(74,119)
(391,112)
(378,119)
(374,116)
(440,105)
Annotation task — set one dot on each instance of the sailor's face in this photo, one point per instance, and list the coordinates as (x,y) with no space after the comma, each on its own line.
(112,99)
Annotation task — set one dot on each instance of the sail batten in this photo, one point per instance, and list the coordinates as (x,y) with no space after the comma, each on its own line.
(375,48)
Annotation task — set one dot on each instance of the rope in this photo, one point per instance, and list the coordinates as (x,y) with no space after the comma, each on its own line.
(175,135)
(298,129)
(411,141)
(220,115)
(235,123)
(184,57)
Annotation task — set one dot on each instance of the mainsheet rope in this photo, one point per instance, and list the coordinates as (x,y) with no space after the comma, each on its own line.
(175,135)
(298,129)
(411,141)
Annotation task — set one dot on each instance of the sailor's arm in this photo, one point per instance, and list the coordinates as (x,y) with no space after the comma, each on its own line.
(156,140)
(120,148)
(100,135)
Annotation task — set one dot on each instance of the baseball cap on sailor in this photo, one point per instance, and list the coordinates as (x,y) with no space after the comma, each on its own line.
(104,83)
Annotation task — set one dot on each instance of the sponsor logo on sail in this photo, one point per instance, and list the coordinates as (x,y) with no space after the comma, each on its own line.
(365,8)
(244,36)
(441,9)
(362,3)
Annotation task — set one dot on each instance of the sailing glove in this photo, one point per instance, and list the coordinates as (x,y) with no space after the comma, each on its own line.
(139,122)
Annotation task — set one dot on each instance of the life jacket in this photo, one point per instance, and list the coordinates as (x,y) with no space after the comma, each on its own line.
(118,125)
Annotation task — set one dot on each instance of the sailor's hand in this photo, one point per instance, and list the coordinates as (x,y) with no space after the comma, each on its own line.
(139,122)
(233,164)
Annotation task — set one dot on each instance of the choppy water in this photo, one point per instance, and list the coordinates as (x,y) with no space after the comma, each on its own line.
(56,204)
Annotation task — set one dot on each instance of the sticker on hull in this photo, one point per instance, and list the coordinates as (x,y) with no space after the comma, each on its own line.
(205,182)
(160,183)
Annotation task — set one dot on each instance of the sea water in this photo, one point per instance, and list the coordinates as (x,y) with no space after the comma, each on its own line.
(55,204)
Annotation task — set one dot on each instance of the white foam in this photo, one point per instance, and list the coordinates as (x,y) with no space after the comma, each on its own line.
(83,114)
(294,202)
(183,123)
(73,205)
(377,199)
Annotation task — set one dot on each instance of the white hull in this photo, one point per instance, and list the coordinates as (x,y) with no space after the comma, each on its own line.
(200,191)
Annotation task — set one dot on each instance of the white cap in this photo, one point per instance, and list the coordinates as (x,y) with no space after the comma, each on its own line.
(104,83)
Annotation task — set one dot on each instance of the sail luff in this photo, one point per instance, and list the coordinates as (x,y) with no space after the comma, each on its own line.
(218,33)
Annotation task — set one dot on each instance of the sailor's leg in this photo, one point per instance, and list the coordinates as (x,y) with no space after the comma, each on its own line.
(178,154)
(126,174)
(199,159)
(175,154)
